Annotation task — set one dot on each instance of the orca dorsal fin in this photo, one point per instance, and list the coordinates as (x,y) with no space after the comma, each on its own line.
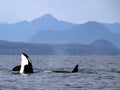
(75,69)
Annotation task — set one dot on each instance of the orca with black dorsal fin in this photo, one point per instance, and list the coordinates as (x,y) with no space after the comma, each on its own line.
(25,67)
(75,70)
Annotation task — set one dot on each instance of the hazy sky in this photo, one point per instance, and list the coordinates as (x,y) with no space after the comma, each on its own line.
(77,11)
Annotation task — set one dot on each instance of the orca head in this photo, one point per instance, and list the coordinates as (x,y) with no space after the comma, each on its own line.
(26,65)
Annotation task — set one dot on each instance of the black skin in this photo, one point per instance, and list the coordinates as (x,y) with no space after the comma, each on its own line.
(27,68)
(75,70)
(16,68)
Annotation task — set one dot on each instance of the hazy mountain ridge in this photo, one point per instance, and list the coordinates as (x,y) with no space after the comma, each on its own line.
(24,30)
(99,47)
(84,33)
(115,27)
(48,22)
(48,29)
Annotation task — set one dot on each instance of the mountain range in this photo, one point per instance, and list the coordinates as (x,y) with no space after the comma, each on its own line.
(50,30)
(98,47)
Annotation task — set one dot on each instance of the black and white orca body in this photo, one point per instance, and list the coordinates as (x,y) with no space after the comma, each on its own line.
(75,70)
(25,67)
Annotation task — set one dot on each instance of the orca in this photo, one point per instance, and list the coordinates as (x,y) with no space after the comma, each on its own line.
(25,67)
(75,70)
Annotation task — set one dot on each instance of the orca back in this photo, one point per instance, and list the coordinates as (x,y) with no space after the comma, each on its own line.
(75,70)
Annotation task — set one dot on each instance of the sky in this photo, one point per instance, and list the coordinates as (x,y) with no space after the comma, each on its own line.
(76,11)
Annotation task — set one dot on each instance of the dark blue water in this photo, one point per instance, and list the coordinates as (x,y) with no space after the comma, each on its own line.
(95,73)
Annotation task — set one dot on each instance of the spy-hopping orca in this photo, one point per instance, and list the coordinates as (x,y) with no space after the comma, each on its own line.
(75,70)
(25,67)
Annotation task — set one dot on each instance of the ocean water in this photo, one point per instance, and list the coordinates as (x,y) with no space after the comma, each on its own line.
(95,73)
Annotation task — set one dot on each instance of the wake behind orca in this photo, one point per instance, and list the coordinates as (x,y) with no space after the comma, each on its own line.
(25,67)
